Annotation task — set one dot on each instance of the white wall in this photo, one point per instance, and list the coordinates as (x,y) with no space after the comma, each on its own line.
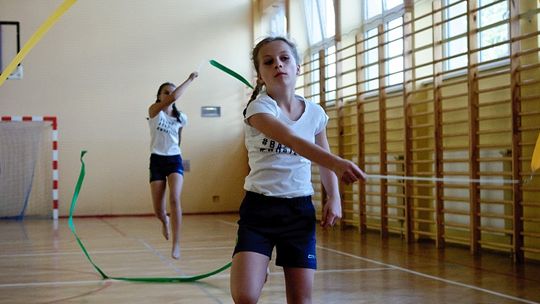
(98,70)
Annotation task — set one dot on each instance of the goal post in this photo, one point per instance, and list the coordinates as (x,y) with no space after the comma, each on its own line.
(28,166)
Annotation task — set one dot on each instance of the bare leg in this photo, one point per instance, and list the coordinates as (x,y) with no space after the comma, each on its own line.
(158,199)
(299,284)
(176,182)
(248,274)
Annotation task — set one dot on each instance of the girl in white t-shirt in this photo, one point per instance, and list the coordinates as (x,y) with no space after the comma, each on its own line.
(283,134)
(166,123)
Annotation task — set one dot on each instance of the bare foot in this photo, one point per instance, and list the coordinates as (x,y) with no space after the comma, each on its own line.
(176,252)
(165,228)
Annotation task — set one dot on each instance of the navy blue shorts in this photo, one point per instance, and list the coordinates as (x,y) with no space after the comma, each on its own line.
(286,223)
(161,166)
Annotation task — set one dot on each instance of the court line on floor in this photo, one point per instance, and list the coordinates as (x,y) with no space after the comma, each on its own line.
(78,252)
(495,293)
(219,276)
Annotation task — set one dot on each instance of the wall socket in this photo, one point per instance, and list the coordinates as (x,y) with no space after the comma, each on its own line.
(215,199)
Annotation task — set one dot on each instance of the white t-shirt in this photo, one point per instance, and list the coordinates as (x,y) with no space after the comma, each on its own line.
(276,170)
(164,133)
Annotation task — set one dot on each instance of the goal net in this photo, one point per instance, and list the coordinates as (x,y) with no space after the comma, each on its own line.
(26,174)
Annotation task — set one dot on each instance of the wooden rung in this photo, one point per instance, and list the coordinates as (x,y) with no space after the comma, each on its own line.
(421,114)
(455,199)
(494,103)
(530,219)
(494,159)
(492,245)
(396,229)
(493,117)
(495,187)
(529,249)
(424,209)
(457,240)
(415,138)
(422,126)
(425,161)
(495,215)
(496,202)
(456,212)
(446,135)
(424,233)
(497,230)
(455,160)
(454,122)
(531,234)
(429,197)
(486,173)
(400,195)
(457,225)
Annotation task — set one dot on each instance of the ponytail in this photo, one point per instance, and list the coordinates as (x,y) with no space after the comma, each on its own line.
(176,113)
(254,95)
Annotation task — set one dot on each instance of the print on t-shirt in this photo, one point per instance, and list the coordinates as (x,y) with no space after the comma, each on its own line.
(275,147)
(166,126)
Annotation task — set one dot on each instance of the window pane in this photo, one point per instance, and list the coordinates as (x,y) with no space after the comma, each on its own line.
(330,19)
(393,49)
(373,8)
(390,4)
(313,21)
(490,15)
(493,36)
(455,47)
(371,57)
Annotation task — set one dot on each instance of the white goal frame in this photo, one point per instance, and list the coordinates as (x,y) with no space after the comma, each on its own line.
(53,121)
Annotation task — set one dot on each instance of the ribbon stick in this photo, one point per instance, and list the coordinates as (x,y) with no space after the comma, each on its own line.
(445,179)
(36,37)
(104,276)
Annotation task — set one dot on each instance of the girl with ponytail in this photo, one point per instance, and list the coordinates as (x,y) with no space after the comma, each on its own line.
(284,133)
(166,123)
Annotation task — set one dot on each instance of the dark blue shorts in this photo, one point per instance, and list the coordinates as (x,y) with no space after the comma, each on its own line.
(161,166)
(286,223)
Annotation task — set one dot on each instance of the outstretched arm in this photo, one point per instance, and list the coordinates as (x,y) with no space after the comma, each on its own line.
(332,208)
(346,170)
(169,99)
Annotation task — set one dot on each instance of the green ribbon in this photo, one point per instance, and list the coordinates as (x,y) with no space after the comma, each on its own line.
(104,276)
(230,72)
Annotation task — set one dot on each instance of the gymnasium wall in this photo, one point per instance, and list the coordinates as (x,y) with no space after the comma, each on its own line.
(97,70)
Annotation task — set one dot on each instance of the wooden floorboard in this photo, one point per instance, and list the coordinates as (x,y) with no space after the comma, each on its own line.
(41,262)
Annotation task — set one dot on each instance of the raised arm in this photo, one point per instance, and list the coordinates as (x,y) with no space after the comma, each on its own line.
(167,100)
(346,170)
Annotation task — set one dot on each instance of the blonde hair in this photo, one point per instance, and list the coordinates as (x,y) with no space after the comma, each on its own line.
(255,59)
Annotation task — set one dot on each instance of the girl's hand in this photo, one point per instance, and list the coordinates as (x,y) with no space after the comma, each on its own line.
(331,212)
(348,172)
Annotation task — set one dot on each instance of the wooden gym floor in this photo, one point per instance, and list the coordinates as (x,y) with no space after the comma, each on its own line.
(41,263)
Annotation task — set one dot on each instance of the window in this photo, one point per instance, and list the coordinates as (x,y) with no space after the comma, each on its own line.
(371,57)
(455,29)
(275,20)
(491,31)
(394,52)
(493,25)
(320,20)
(389,13)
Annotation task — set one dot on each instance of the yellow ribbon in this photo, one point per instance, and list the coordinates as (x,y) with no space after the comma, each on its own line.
(535,162)
(35,39)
